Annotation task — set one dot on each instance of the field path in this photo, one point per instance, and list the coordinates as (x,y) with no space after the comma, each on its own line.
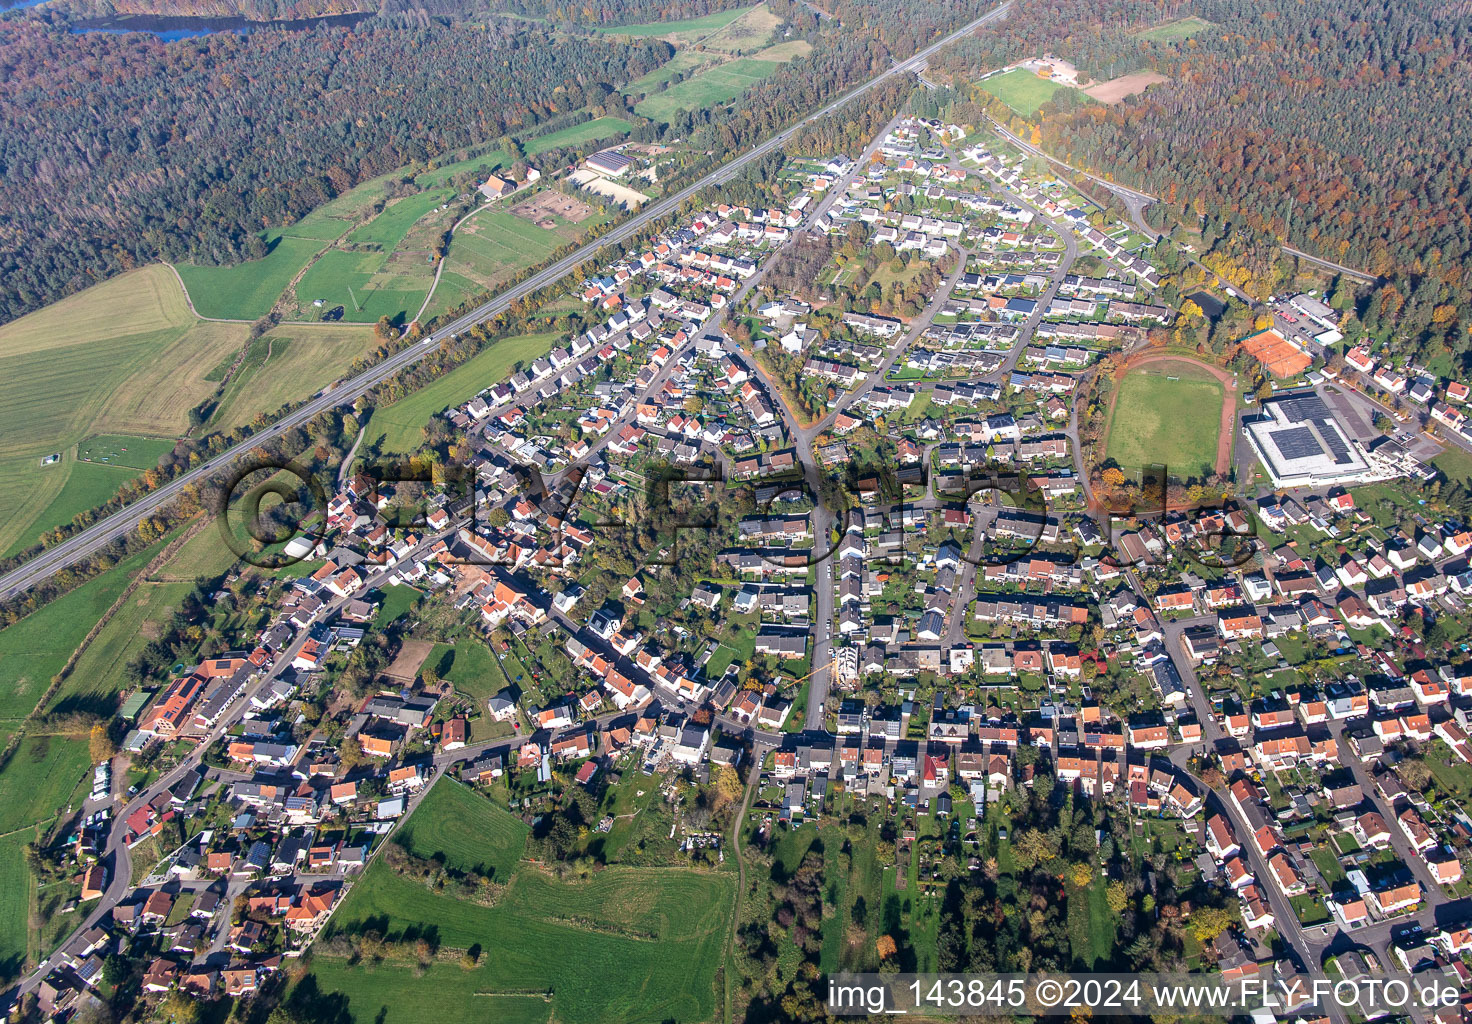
(450,240)
(1228,425)
(347,463)
(751,782)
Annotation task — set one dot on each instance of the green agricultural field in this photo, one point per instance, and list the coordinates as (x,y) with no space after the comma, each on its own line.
(35,648)
(400,427)
(101,672)
(1021,90)
(388,229)
(288,364)
(17,890)
(631,945)
(401,993)
(123,450)
(40,779)
(39,782)
(466,831)
(596,130)
(366,285)
(248,290)
(714,86)
(122,357)
(43,500)
(678,32)
(681,63)
(1175,31)
(1157,420)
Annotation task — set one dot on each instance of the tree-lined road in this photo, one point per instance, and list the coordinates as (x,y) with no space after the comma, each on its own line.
(117,525)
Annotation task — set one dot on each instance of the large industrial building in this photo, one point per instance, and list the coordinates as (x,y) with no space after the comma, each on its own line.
(1302,445)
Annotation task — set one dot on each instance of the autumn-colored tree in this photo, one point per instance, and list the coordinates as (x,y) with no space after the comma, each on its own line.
(100,744)
(885,947)
(1209,922)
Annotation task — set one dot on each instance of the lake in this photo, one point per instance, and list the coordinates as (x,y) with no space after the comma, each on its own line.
(1212,306)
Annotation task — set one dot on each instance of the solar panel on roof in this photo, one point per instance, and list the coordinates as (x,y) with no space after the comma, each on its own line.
(1336,445)
(1297,443)
(1303,408)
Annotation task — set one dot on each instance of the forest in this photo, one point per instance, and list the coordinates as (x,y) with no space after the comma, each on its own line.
(1337,128)
(121,150)
(565,15)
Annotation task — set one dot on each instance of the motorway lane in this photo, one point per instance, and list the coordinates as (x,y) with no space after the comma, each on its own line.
(119,523)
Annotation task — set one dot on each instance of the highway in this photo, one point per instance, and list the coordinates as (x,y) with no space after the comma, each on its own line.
(117,525)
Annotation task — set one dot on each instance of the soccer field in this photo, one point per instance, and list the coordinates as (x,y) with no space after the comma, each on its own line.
(1022,90)
(1169,413)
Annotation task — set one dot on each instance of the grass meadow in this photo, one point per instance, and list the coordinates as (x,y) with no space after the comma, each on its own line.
(36,648)
(466,831)
(389,227)
(716,85)
(471,666)
(288,364)
(496,243)
(632,945)
(1175,31)
(400,427)
(101,672)
(687,31)
(682,62)
(245,291)
(40,780)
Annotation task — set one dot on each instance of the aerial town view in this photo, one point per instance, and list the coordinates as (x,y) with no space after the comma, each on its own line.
(691,511)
